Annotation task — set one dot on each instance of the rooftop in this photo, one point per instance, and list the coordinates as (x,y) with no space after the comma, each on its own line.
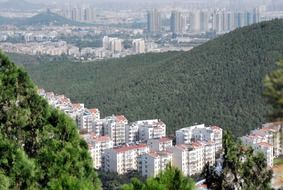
(126,148)
(121,118)
(264,144)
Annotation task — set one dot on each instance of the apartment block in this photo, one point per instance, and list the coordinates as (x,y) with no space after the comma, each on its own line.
(85,120)
(161,144)
(115,128)
(97,145)
(132,133)
(154,162)
(200,133)
(267,150)
(138,46)
(275,136)
(95,113)
(151,129)
(191,158)
(123,159)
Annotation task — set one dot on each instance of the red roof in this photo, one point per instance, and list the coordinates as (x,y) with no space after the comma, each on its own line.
(127,148)
(215,127)
(196,145)
(164,139)
(182,146)
(77,106)
(121,118)
(94,111)
(102,138)
(264,144)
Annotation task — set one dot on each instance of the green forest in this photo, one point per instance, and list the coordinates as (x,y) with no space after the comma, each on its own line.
(217,83)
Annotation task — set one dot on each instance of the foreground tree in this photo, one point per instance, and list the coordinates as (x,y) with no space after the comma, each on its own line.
(170,179)
(241,168)
(40,147)
(273,92)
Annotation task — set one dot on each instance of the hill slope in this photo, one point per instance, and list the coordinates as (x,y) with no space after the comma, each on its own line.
(219,82)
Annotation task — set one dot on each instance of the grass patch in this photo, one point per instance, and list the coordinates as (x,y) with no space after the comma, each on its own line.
(278,161)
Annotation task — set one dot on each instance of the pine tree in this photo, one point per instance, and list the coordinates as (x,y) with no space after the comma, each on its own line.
(273,92)
(40,147)
(170,179)
(242,168)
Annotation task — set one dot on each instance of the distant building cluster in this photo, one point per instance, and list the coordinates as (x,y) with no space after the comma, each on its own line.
(117,145)
(267,140)
(80,14)
(46,48)
(202,21)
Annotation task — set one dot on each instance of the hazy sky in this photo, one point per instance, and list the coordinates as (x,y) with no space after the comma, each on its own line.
(138,4)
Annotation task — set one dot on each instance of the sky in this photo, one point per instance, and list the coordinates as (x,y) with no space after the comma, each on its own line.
(138,4)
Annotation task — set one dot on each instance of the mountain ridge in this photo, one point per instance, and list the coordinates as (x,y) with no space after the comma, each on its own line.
(45,18)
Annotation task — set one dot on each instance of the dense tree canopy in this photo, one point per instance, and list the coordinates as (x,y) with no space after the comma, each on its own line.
(40,147)
(273,92)
(170,179)
(219,82)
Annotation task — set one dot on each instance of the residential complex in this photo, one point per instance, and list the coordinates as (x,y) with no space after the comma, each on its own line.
(120,147)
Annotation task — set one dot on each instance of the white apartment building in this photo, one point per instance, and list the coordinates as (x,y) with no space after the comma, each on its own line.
(115,128)
(123,159)
(200,133)
(97,146)
(138,46)
(113,44)
(132,133)
(274,132)
(154,162)
(151,129)
(95,113)
(161,144)
(85,120)
(267,150)
(98,127)
(191,158)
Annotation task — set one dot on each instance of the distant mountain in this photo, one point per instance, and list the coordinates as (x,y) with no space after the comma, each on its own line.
(48,18)
(219,82)
(45,18)
(19,5)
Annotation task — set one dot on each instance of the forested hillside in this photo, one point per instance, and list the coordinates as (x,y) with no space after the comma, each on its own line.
(40,147)
(219,82)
